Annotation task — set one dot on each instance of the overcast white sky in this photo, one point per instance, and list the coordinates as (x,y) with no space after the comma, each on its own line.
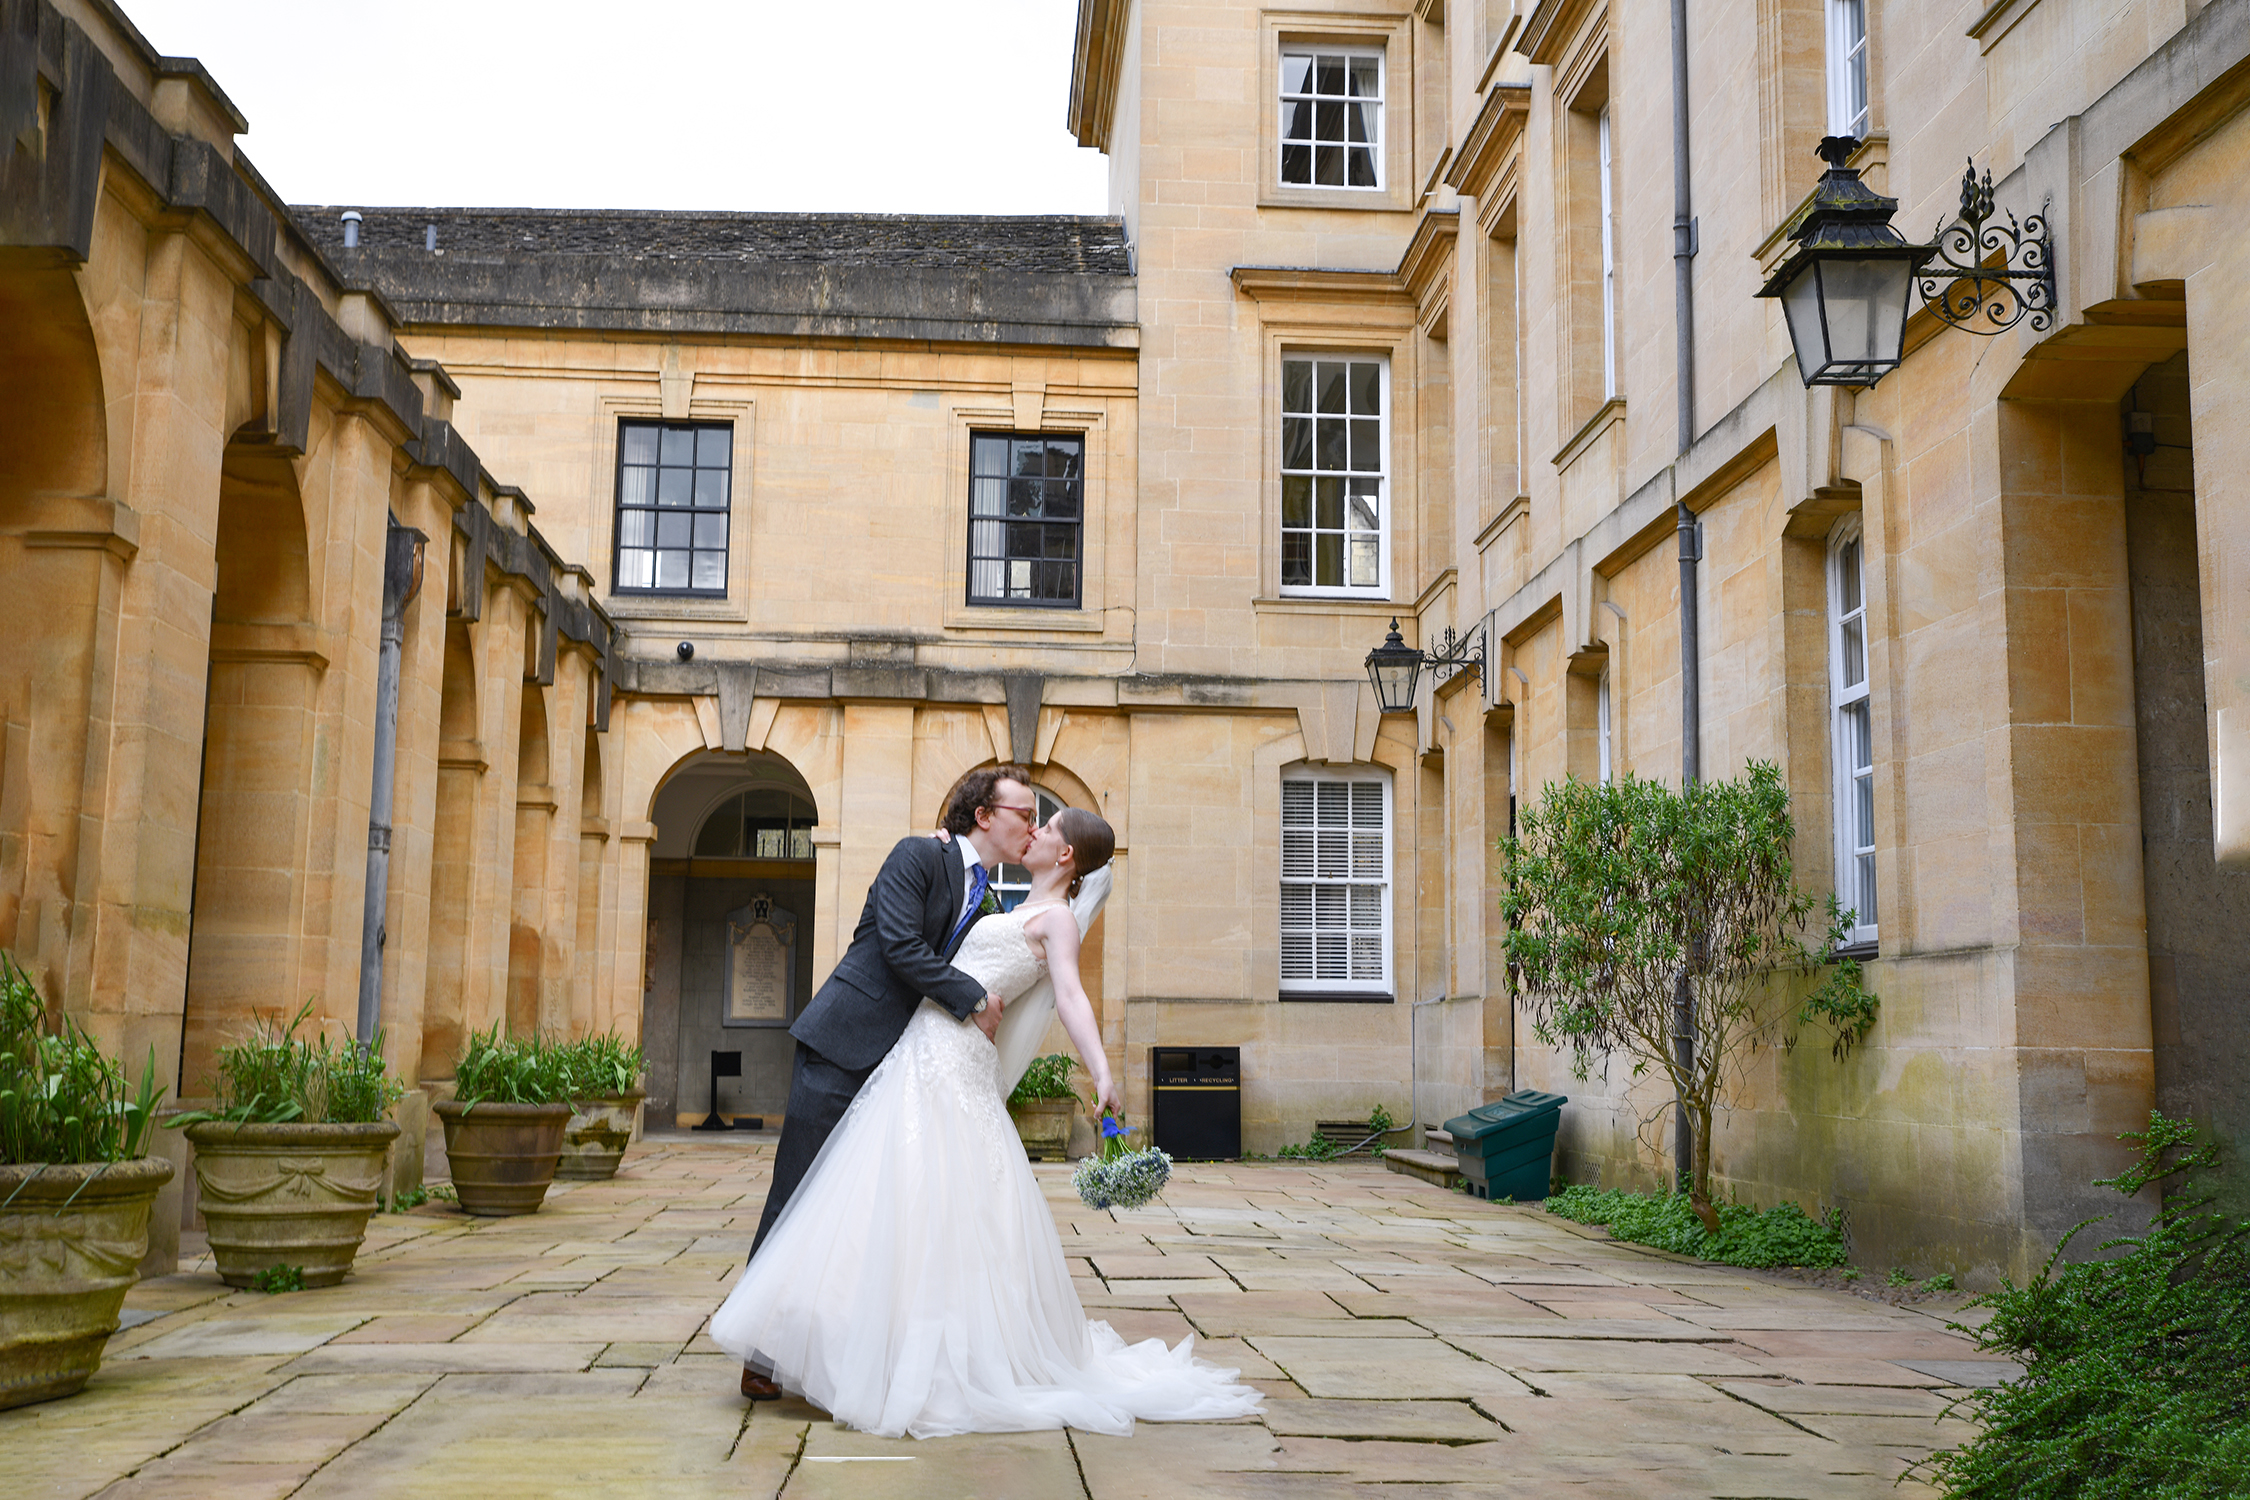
(905,106)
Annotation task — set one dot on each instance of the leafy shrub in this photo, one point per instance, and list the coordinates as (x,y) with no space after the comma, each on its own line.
(1046,1078)
(279,1279)
(1783,1235)
(501,1069)
(2133,1384)
(275,1077)
(1616,891)
(62,1100)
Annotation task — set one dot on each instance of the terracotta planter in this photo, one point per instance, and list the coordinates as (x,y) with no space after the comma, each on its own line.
(64,1271)
(503,1155)
(1044,1125)
(596,1138)
(288,1195)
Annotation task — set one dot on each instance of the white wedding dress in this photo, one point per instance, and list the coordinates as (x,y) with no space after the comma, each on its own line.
(916,1284)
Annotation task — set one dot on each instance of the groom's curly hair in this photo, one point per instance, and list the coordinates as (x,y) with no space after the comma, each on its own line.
(975,790)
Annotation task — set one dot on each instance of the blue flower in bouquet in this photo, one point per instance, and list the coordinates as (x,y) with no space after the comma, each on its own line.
(1119,1177)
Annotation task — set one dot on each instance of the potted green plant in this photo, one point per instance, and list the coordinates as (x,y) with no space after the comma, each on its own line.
(75,1195)
(289,1165)
(1043,1106)
(606,1097)
(504,1124)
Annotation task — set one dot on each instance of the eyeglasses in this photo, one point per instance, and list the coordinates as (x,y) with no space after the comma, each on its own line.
(1029,814)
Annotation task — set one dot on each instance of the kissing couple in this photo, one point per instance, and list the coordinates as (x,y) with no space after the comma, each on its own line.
(907,1276)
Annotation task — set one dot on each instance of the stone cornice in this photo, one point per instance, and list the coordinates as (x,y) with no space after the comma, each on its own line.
(1313,284)
(1484,149)
(1550,27)
(1097,55)
(1429,254)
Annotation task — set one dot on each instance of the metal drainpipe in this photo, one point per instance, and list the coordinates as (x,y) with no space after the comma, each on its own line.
(402,579)
(1691,541)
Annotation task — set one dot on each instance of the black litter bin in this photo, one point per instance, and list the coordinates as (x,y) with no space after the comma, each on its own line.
(1196,1098)
(1507,1148)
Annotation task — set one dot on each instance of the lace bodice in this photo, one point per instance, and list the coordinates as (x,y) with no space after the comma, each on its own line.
(997,952)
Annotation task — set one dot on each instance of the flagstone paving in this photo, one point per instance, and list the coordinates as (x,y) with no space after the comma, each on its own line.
(1401,1333)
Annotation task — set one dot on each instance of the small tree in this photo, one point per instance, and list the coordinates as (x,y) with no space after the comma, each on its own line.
(1614,891)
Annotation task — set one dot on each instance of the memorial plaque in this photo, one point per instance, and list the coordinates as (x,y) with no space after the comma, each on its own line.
(761,965)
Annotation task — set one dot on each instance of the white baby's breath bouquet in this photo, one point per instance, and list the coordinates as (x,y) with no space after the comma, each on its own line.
(1117,1176)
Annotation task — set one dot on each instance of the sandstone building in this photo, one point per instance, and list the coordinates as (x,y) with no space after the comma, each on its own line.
(719,544)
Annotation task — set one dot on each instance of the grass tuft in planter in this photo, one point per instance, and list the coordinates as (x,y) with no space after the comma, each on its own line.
(513,1099)
(1043,1105)
(75,1194)
(290,1164)
(606,1091)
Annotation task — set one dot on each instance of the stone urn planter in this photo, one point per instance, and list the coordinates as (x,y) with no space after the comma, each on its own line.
(599,1131)
(71,1242)
(503,1155)
(288,1195)
(1044,1125)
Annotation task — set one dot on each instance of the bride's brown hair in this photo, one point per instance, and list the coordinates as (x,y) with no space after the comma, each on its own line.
(1092,841)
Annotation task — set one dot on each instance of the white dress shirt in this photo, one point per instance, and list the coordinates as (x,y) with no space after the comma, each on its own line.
(970,859)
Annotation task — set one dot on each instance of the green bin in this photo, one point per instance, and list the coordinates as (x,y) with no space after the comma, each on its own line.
(1507,1148)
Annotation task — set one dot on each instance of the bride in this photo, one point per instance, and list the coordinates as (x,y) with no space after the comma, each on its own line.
(915,1283)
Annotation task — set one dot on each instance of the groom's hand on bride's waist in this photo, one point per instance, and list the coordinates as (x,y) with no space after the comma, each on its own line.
(987,1015)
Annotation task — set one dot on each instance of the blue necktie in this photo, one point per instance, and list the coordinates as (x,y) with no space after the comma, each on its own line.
(976,899)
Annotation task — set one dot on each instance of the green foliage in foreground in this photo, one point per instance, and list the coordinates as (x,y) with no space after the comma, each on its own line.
(279,1279)
(500,1069)
(1783,1235)
(62,1100)
(1046,1078)
(275,1077)
(2134,1385)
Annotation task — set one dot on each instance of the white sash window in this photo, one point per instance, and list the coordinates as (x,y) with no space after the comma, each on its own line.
(1850,737)
(1335,884)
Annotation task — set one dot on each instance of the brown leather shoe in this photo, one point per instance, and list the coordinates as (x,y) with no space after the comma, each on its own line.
(756,1387)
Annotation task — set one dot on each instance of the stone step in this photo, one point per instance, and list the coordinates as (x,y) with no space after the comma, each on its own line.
(1431,1166)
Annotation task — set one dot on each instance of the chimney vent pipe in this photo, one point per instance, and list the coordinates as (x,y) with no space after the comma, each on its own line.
(351,229)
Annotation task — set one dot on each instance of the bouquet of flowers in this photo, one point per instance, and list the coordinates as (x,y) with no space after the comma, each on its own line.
(1117,1177)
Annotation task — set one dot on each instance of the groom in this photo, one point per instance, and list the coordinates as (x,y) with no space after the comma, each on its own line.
(923,902)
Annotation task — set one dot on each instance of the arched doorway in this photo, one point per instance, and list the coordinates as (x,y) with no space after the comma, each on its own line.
(732,868)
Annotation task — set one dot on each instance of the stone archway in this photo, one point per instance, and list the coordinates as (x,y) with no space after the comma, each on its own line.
(63,563)
(731,829)
(244,954)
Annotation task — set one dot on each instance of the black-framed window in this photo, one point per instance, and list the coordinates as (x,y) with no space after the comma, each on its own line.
(675,489)
(1027,508)
(1332,118)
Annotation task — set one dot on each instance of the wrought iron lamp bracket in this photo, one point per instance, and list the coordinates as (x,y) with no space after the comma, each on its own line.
(1989,299)
(1455,654)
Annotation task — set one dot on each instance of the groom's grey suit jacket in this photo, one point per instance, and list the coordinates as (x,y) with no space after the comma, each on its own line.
(898,954)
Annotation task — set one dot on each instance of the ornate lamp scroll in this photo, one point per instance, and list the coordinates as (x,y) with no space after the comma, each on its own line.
(1988,299)
(1394,666)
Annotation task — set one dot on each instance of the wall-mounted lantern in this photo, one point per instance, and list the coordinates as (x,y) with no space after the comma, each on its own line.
(1847,288)
(1395,667)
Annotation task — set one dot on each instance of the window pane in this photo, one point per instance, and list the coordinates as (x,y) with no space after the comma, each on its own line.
(640,444)
(1328,554)
(1367,446)
(1358,118)
(1296,385)
(1296,120)
(675,486)
(1329,76)
(1331,514)
(1296,72)
(635,528)
(1296,559)
(1366,565)
(988,455)
(1367,77)
(1063,460)
(635,570)
(712,447)
(1855,652)
(637,487)
(1858,740)
(987,497)
(1296,442)
(710,570)
(1866,902)
(1061,503)
(679,446)
(671,570)
(711,488)
(1362,167)
(710,531)
(1328,121)
(672,528)
(1296,165)
(1847,569)
(1333,377)
(1296,501)
(1365,501)
(1863,802)
(1328,166)
(1367,388)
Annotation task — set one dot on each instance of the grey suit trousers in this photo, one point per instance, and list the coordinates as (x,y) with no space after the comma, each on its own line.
(819,1093)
